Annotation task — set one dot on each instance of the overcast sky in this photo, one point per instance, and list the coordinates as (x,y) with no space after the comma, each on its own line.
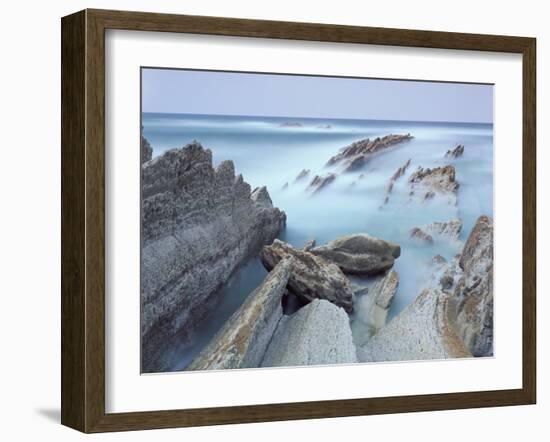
(226,93)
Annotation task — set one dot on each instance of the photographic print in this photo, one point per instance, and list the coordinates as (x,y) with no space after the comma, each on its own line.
(302,220)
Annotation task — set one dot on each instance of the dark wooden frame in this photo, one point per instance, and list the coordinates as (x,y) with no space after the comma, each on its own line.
(83,218)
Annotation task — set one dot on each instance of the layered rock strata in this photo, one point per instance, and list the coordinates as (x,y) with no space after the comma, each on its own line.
(199,224)
(357,154)
(391,182)
(429,183)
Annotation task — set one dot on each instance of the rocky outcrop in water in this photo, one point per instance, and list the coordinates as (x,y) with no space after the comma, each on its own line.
(458,151)
(284,186)
(371,310)
(356,155)
(474,290)
(429,183)
(313,277)
(452,316)
(320,182)
(304,173)
(199,224)
(419,235)
(359,254)
(317,334)
(146,150)
(290,124)
(244,338)
(397,174)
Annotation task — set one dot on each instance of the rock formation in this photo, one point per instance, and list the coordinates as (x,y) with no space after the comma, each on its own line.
(199,224)
(359,254)
(452,316)
(304,173)
(309,245)
(244,338)
(284,186)
(397,174)
(371,310)
(456,152)
(317,334)
(321,181)
(146,150)
(439,181)
(474,289)
(312,277)
(290,124)
(418,234)
(356,155)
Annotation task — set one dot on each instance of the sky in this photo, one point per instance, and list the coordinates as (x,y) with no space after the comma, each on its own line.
(271,95)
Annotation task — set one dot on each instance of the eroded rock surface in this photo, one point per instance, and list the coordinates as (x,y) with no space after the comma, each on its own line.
(199,224)
(474,289)
(429,183)
(244,338)
(360,254)
(391,182)
(356,155)
(317,334)
(313,277)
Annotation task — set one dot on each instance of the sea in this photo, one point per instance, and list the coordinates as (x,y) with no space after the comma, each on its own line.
(271,151)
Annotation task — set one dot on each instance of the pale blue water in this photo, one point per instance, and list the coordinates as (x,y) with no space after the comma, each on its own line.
(268,154)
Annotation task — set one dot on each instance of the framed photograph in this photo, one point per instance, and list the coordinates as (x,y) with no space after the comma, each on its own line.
(271,220)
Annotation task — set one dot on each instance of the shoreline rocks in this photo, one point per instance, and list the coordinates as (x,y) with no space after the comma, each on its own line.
(146,150)
(312,277)
(244,338)
(439,181)
(317,334)
(304,173)
(418,234)
(360,254)
(397,174)
(320,182)
(199,224)
(458,151)
(357,154)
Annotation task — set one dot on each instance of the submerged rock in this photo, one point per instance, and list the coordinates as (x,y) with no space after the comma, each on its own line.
(244,338)
(146,150)
(312,277)
(428,183)
(456,152)
(354,156)
(284,186)
(320,182)
(372,309)
(304,173)
(397,174)
(360,254)
(474,289)
(317,334)
(199,224)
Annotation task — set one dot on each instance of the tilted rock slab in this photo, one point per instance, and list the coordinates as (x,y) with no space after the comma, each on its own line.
(199,224)
(244,338)
(313,277)
(317,334)
(423,330)
(458,151)
(360,254)
(391,182)
(319,182)
(474,289)
(356,155)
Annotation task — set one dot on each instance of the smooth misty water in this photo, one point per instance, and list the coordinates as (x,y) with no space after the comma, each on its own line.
(268,154)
